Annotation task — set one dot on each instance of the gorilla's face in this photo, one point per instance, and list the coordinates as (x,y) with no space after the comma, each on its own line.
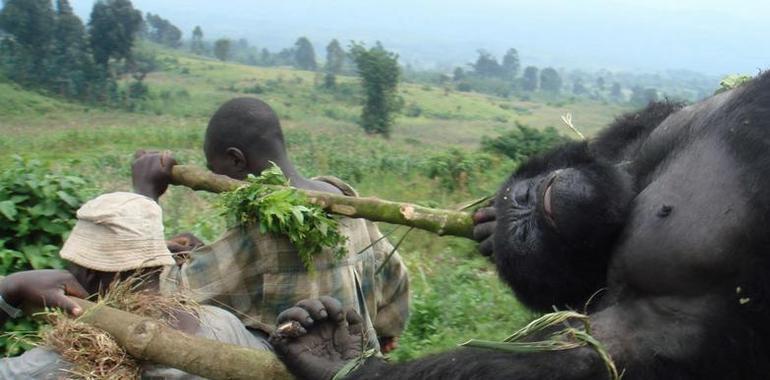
(566,209)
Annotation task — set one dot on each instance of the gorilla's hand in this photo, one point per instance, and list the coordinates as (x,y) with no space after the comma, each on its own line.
(315,338)
(485,220)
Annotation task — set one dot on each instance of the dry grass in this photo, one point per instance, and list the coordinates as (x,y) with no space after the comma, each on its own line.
(93,353)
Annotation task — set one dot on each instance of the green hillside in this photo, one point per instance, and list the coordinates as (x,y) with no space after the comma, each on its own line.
(448,276)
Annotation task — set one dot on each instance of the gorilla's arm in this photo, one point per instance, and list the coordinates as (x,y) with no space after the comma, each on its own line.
(315,339)
(575,364)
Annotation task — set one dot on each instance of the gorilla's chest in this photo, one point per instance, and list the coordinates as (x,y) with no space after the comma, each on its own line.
(687,226)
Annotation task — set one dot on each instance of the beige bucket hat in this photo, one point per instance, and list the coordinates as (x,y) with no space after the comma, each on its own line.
(117,232)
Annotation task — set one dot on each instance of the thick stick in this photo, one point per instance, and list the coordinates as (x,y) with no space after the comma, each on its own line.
(441,222)
(148,339)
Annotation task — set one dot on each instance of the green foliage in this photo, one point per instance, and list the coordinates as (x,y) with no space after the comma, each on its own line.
(335,57)
(455,168)
(550,81)
(523,141)
(529,79)
(50,51)
(114,26)
(283,211)
(643,96)
(732,81)
(475,306)
(162,31)
(222,49)
(196,43)
(379,72)
(304,55)
(510,65)
(37,210)
(27,57)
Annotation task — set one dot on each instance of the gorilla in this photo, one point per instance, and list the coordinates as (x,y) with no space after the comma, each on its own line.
(659,227)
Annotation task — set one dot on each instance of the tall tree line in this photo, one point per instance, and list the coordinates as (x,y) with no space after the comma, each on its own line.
(45,45)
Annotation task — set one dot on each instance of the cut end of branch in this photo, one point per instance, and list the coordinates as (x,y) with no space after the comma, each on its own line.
(408,212)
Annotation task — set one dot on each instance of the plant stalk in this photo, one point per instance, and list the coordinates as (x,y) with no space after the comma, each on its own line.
(438,221)
(148,339)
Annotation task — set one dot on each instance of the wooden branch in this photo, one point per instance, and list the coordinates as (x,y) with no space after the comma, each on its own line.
(148,339)
(441,222)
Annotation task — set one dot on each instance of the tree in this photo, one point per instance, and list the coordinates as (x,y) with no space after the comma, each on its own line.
(510,65)
(304,55)
(486,65)
(550,81)
(162,31)
(578,88)
(113,28)
(529,79)
(31,23)
(265,57)
(196,43)
(222,49)
(643,96)
(458,74)
(600,83)
(379,72)
(616,92)
(71,58)
(335,58)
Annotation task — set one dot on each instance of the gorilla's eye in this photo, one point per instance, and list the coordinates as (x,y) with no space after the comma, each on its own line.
(521,193)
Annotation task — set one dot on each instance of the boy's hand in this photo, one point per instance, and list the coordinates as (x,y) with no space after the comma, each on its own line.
(43,288)
(151,172)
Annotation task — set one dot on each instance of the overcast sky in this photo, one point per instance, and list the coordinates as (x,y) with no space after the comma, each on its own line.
(713,37)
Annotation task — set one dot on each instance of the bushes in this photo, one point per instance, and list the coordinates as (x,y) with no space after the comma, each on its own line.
(523,141)
(37,209)
(454,168)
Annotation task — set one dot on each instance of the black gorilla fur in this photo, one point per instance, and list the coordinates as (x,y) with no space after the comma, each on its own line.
(667,211)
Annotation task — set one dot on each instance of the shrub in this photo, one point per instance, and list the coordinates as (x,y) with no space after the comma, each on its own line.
(523,141)
(37,210)
(413,110)
(454,168)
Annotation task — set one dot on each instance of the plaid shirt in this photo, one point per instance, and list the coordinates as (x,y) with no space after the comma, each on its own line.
(256,276)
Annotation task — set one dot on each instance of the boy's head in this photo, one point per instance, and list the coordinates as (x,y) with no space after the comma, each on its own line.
(243,136)
(116,235)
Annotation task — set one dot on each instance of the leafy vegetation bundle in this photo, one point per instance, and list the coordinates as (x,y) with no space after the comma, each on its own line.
(283,211)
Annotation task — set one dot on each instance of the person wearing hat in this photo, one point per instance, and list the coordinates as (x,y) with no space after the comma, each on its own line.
(117,235)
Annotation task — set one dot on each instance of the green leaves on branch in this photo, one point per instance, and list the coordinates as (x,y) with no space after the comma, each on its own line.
(285,211)
(732,81)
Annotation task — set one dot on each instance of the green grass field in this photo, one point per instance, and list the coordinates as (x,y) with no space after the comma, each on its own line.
(456,294)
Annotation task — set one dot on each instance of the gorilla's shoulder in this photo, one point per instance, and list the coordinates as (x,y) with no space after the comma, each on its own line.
(627,131)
